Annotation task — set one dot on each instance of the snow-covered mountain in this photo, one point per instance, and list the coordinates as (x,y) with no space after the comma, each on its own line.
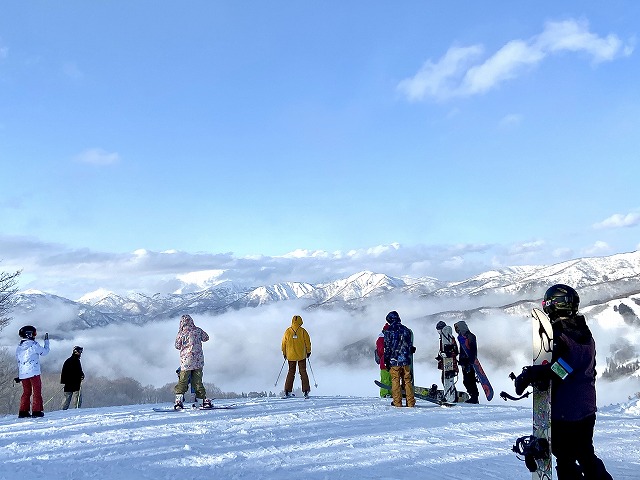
(611,282)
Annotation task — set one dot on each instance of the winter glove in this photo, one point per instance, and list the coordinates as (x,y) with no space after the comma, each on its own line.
(534,374)
(17,380)
(308,354)
(413,349)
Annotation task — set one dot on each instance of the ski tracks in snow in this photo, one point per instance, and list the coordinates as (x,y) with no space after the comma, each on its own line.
(335,438)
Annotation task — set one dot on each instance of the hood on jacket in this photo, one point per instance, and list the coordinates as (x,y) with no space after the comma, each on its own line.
(296,321)
(186,322)
(461,327)
(393,317)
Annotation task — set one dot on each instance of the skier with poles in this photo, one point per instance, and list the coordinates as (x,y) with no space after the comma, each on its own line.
(28,355)
(72,377)
(296,349)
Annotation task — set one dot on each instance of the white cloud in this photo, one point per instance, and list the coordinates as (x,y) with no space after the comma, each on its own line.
(619,220)
(456,75)
(511,120)
(98,156)
(598,248)
(437,80)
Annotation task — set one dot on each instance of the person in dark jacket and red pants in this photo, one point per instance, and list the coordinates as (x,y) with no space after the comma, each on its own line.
(72,376)
(573,399)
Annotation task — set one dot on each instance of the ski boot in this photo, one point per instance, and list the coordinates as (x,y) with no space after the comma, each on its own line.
(207,403)
(179,405)
(306,395)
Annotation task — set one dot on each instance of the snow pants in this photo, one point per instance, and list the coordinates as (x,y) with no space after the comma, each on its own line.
(291,374)
(385,377)
(196,383)
(469,382)
(66,400)
(31,387)
(401,377)
(572,445)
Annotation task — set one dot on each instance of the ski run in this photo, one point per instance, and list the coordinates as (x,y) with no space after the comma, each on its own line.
(333,438)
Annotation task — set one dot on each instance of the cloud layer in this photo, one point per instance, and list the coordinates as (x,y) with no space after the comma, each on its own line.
(466,71)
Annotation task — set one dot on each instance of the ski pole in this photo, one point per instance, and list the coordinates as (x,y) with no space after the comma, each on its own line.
(54,396)
(79,398)
(312,374)
(278,379)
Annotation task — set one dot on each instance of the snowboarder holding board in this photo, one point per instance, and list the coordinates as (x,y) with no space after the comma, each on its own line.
(447,361)
(467,358)
(572,374)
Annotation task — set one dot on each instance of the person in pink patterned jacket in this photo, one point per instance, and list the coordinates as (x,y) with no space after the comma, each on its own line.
(189,342)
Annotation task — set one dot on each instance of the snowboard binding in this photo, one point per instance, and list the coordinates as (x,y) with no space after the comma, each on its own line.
(532,449)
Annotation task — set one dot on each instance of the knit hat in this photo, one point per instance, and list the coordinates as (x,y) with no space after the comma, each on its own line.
(393,317)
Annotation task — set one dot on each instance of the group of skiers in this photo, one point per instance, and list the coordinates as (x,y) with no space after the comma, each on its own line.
(28,355)
(394,354)
(573,400)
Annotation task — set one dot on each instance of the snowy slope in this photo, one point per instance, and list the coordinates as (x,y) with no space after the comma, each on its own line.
(336,438)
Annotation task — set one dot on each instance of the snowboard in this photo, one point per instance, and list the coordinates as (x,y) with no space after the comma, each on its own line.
(482,377)
(430,394)
(186,409)
(447,358)
(542,352)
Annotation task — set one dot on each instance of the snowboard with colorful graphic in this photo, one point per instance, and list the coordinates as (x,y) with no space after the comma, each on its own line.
(542,333)
(447,363)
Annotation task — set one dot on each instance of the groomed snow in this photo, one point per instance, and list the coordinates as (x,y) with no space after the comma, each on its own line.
(336,438)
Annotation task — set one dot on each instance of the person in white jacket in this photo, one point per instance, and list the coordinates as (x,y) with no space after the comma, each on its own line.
(28,356)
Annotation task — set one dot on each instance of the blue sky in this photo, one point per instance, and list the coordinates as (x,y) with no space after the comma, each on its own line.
(428,138)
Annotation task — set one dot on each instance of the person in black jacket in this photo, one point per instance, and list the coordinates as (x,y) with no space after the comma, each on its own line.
(72,376)
(466,359)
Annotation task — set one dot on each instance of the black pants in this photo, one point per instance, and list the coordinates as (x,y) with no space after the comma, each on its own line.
(572,445)
(469,382)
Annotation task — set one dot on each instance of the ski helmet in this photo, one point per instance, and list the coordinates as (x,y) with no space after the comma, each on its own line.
(440,325)
(28,331)
(77,350)
(560,299)
(392,317)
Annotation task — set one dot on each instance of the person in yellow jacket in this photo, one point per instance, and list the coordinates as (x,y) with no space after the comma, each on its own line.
(296,348)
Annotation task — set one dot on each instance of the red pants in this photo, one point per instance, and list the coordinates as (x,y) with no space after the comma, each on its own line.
(31,386)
